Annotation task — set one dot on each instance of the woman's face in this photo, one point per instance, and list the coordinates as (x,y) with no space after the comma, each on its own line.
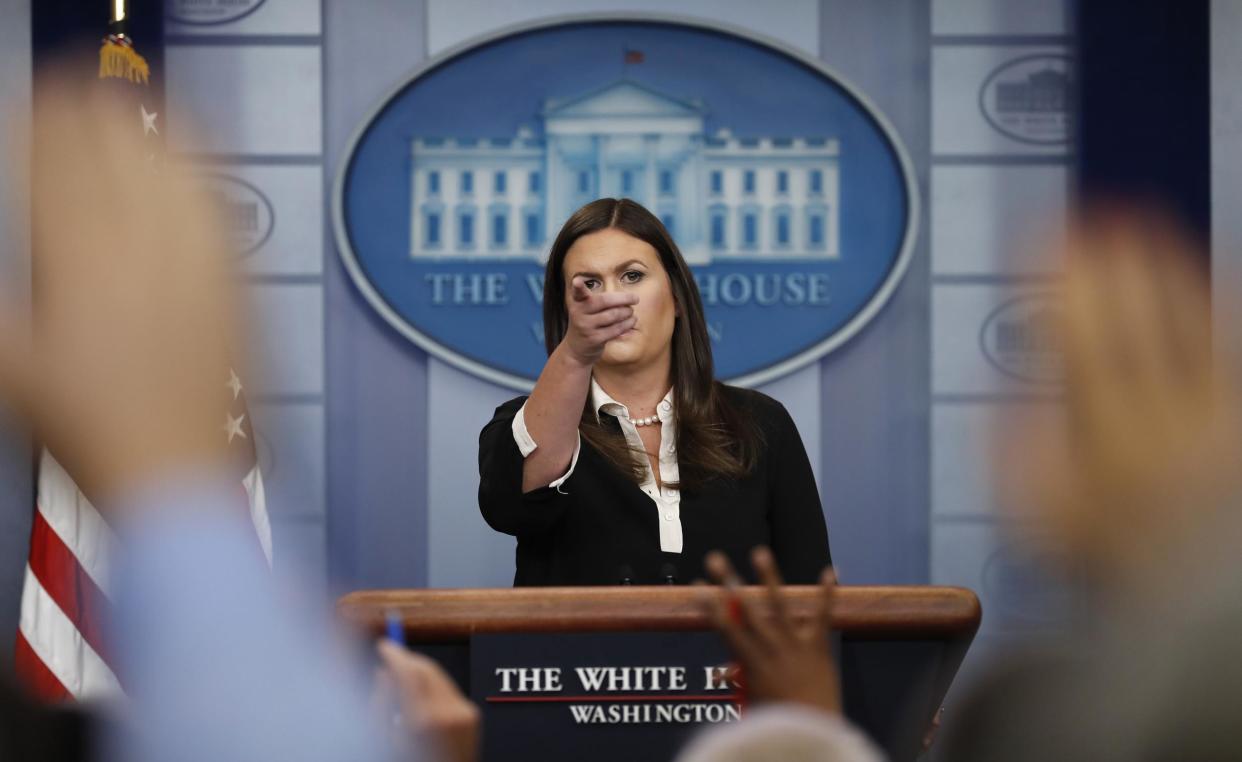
(612,261)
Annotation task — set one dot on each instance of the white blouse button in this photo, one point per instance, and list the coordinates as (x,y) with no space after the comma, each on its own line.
(665,406)
(668,517)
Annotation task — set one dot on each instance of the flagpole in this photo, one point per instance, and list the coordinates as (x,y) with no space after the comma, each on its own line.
(116,22)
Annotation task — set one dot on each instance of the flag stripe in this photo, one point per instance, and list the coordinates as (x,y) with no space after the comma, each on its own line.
(256,499)
(75,520)
(63,578)
(59,645)
(60,650)
(34,674)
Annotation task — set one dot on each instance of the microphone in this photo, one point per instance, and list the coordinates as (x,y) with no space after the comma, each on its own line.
(625,575)
(668,574)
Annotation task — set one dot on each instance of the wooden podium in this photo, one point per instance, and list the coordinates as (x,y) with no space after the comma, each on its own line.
(899,648)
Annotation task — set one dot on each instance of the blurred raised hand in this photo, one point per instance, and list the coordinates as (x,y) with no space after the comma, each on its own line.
(785,667)
(780,658)
(122,370)
(1149,448)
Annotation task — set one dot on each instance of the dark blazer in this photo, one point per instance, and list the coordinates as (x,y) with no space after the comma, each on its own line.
(604,528)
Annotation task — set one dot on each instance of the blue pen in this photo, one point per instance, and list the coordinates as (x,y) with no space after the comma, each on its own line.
(395,627)
(395,631)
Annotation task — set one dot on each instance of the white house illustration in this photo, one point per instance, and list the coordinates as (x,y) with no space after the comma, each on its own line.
(721,197)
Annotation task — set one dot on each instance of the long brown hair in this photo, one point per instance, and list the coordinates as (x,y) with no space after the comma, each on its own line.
(714,437)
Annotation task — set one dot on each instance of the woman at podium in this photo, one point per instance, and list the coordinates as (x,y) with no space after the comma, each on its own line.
(629,461)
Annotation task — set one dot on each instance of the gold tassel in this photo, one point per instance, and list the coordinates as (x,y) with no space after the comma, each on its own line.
(123,62)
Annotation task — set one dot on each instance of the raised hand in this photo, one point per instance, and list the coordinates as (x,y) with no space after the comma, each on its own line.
(123,373)
(780,660)
(1150,443)
(595,319)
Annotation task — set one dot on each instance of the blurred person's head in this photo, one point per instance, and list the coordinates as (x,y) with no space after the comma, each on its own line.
(785,732)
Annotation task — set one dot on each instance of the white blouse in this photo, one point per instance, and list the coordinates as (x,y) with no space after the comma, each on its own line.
(667,500)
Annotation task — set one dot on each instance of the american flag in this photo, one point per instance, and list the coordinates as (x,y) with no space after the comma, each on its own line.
(61,652)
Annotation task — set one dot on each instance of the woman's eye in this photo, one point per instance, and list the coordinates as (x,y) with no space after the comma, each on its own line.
(632,276)
(590,283)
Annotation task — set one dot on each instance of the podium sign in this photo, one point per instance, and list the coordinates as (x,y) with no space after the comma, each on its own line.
(599,696)
(632,672)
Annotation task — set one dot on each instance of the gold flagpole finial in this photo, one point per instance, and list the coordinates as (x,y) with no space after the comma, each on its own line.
(117,57)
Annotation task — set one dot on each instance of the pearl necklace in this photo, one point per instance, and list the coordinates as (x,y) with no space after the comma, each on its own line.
(643,421)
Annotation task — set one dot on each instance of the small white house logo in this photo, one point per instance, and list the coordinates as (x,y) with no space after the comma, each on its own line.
(1018,338)
(210,11)
(1015,579)
(248,216)
(1029,99)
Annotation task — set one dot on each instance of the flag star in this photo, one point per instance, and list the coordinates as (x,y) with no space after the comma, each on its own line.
(233,426)
(234,383)
(148,121)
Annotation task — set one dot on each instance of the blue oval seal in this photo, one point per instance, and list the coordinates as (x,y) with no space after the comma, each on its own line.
(210,12)
(788,193)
